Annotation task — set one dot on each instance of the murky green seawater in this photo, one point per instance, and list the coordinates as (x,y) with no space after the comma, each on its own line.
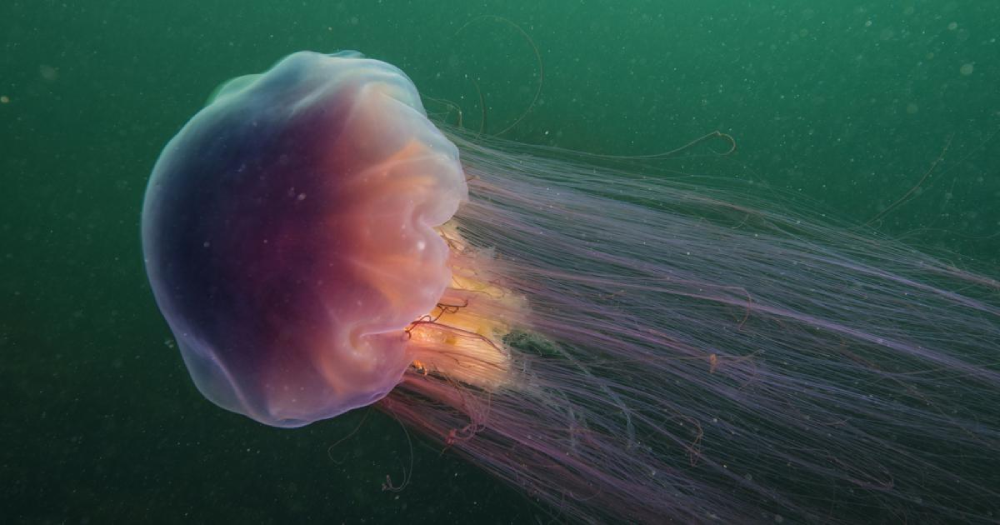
(842,105)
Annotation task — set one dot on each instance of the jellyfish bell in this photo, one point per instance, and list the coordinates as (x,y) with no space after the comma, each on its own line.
(656,351)
(292,233)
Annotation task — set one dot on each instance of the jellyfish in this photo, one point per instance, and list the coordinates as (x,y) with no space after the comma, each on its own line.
(621,347)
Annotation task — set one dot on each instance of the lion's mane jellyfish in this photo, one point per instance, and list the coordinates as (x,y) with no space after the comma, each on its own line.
(623,348)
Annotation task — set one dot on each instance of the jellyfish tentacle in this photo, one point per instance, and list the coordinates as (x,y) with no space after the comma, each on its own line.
(538,61)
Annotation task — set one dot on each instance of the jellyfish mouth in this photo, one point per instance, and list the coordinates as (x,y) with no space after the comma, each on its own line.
(462,338)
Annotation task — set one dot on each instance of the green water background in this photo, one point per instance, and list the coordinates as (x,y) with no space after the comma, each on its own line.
(841,106)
